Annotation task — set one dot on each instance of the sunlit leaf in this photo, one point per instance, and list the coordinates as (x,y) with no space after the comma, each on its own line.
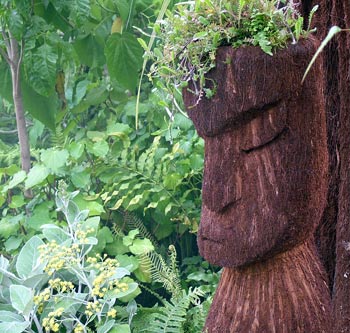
(54,159)
(36,175)
(124,59)
(22,298)
(28,259)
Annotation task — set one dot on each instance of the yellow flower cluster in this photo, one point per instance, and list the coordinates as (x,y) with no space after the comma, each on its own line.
(42,297)
(61,286)
(91,260)
(104,281)
(82,235)
(93,307)
(50,323)
(112,313)
(58,256)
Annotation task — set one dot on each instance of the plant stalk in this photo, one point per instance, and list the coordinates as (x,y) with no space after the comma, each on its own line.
(15,62)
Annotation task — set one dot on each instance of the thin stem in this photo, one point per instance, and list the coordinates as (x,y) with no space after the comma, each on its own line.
(37,323)
(8,132)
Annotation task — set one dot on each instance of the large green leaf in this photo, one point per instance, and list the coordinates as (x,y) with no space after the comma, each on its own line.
(71,304)
(54,159)
(132,291)
(124,9)
(122,328)
(99,148)
(88,49)
(18,178)
(41,69)
(124,59)
(8,316)
(14,327)
(28,259)
(40,107)
(40,215)
(36,175)
(81,7)
(22,299)
(141,246)
(53,232)
(16,24)
(106,327)
(36,282)
(51,15)
(95,96)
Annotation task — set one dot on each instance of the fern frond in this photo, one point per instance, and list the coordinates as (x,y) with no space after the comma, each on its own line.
(133,222)
(172,317)
(116,230)
(152,292)
(58,139)
(167,275)
(194,296)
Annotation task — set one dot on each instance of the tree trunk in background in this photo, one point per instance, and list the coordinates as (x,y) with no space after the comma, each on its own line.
(333,236)
(18,104)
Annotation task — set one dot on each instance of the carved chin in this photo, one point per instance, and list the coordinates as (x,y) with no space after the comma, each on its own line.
(239,237)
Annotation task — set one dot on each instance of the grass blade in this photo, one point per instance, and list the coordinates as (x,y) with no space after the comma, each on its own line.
(332,32)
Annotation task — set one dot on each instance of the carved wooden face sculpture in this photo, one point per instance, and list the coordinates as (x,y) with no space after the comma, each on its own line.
(265,175)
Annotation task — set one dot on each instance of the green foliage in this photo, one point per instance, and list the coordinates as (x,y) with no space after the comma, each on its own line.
(124,59)
(172,317)
(59,285)
(185,312)
(165,273)
(115,168)
(54,273)
(190,36)
(57,37)
(139,188)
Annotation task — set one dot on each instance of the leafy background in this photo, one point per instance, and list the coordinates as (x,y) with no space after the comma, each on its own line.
(139,176)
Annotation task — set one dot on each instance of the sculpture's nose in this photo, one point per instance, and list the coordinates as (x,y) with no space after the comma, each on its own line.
(220,190)
(222,186)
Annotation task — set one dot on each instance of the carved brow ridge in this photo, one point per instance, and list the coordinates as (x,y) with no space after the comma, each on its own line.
(245,117)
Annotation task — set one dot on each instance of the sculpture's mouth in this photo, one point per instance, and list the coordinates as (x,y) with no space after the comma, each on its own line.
(205,239)
(214,238)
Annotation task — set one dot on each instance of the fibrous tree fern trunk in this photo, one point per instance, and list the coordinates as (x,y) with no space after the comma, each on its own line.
(264,190)
(333,236)
(285,294)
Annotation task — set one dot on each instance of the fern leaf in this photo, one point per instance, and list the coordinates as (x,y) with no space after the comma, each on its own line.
(58,139)
(166,274)
(133,222)
(170,319)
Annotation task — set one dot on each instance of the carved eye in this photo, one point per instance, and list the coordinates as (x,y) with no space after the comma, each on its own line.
(266,127)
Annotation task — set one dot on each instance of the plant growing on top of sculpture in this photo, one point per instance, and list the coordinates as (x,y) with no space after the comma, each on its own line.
(190,36)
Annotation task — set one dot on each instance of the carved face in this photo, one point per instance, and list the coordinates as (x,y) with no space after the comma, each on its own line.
(265,173)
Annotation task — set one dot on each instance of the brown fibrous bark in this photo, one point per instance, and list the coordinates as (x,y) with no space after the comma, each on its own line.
(264,190)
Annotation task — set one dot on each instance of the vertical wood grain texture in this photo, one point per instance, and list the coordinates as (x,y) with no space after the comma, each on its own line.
(264,190)
(333,234)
